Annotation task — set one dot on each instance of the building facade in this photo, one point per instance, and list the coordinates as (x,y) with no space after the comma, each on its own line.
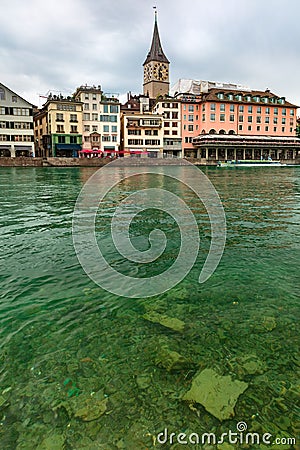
(16,124)
(170,109)
(100,121)
(142,134)
(61,119)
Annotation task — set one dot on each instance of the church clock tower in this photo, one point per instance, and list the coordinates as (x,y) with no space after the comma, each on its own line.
(156,68)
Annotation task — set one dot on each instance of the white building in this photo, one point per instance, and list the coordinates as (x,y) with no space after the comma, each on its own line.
(16,124)
(169,108)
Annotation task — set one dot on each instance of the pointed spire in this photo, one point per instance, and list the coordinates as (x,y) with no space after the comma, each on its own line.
(156,52)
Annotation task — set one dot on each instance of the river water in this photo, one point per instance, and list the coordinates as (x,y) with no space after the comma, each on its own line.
(85,369)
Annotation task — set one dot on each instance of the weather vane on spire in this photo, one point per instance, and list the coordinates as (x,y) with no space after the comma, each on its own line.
(155,12)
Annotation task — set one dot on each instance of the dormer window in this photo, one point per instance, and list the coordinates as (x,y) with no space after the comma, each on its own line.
(248,98)
(220,95)
(239,97)
(230,96)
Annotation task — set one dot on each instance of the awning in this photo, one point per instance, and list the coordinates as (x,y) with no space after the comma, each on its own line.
(88,150)
(68,147)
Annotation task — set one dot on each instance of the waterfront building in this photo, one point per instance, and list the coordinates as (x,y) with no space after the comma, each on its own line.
(100,121)
(229,110)
(156,68)
(16,124)
(142,134)
(61,120)
(170,109)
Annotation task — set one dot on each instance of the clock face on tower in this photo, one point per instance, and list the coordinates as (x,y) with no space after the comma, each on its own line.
(161,71)
(147,73)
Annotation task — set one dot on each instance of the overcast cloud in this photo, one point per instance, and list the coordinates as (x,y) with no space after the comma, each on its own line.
(61,44)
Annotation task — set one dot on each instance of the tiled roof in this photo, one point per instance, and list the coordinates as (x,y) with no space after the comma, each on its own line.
(212,95)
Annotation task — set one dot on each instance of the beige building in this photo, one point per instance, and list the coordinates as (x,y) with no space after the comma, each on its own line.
(100,121)
(16,124)
(142,134)
(61,120)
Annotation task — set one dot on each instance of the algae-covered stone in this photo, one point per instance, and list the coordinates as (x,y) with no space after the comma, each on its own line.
(269,323)
(143,380)
(53,441)
(92,409)
(172,361)
(218,394)
(166,321)
(248,365)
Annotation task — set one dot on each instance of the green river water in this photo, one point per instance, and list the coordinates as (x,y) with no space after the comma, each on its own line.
(84,369)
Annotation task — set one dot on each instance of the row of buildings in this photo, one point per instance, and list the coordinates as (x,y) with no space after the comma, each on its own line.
(208,120)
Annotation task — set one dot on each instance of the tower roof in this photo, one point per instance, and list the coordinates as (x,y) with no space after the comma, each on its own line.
(156,52)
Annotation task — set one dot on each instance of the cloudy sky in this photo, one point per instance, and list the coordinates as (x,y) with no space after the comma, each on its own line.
(60,44)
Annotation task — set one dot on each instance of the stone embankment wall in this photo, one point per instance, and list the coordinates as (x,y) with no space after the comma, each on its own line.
(99,162)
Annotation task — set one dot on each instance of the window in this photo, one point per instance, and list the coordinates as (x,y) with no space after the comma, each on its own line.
(94,106)
(14,98)
(230,96)
(114,109)
(59,117)
(283,129)
(106,139)
(283,121)
(249,118)
(249,109)
(220,95)
(73,139)
(86,106)
(114,138)
(258,109)
(191,118)
(86,96)
(135,141)
(94,96)
(292,112)
(87,138)
(94,116)
(222,107)
(2,94)
(2,110)
(241,108)
(267,119)
(231,108)
(152,142)
(135,132)
(2,124)
(174,115)
(167,114)
(114,128)
(275,128)
(167,124)
(94,128)
(86,128)
(191,127)
(249,127)
(105,128)
(174,124)
(21,112)
(266,128)
(212,117)
(275,120)
(258,128)
(240,127)
(61,139)
(284,111)
(191,108)
(267,110)
(222,117)
(212,106)
(258,119)
(231,117)
(86,116)
(276,111)
(60,129)
(174,132)
(203,107)
(203,117)
(105,108)
(73,117)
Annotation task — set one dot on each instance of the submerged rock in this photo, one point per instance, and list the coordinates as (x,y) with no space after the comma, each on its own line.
(248,365)
(269,323)
(53,441)
(218,394)
(169,322)
(92,409)
(172,361)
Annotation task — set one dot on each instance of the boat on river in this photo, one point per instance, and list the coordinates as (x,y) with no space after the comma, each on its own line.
(251,163)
